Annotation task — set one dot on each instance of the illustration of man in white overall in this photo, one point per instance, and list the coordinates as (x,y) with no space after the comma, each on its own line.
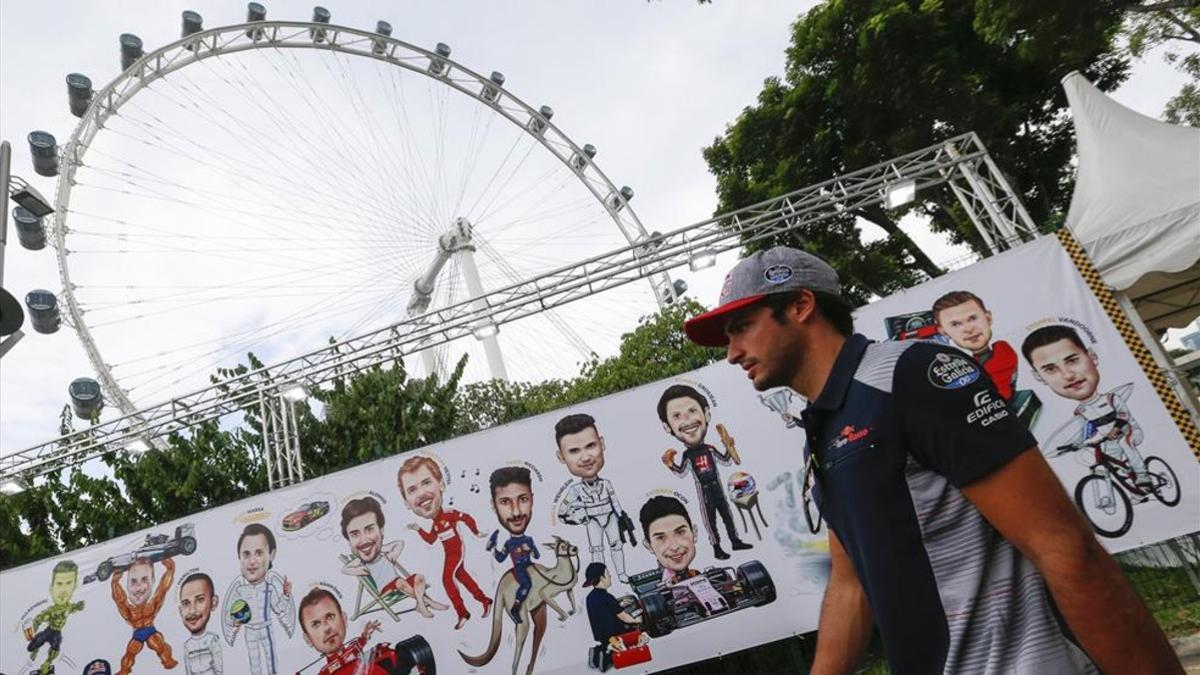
(591,500)
(255,596)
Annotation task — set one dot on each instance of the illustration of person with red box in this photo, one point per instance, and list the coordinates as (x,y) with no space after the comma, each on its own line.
(962,317)
(422,485)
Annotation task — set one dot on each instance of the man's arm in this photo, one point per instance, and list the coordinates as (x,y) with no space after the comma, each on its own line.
(118,595)
(845,625)
(1026,503)
(469,522)
(164,584)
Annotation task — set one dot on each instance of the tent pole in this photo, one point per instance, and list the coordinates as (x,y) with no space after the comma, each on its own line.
(1182,389)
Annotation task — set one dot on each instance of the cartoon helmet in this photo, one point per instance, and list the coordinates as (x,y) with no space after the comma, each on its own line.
(742,487)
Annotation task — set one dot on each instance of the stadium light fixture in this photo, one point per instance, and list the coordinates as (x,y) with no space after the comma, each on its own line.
(702,259)
(28,198)
(139,446)
(12,485)
(295,393)
(899,194)
(485,331)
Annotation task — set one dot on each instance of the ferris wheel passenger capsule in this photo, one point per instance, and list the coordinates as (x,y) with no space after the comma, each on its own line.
(437,64)
(255,12)
(43,311)
(30,231)
(86,398)
(320,15)
(131,50)
(538,124)
(385,29)
(44,148)
(491,89)
(580,160)
(79,93)
(192,23)
(616,201)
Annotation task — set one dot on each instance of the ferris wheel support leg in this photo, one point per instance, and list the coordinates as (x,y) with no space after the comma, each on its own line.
(491,345)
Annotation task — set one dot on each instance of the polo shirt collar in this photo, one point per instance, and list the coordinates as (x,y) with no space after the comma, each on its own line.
(833,395)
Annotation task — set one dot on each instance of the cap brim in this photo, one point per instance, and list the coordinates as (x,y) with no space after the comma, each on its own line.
(708,329)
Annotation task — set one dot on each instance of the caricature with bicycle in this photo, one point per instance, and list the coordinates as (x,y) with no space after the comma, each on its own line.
(1119,476)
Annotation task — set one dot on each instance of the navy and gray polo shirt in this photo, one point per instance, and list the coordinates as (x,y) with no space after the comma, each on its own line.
(898,429)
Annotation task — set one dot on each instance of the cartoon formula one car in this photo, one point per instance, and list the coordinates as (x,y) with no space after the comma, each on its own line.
(715,592)
(306,514)
(413,656)
(154,548)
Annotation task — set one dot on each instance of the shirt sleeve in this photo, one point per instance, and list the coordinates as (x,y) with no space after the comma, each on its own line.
(954,419)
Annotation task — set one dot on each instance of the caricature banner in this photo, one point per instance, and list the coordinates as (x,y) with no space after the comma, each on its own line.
(638,532)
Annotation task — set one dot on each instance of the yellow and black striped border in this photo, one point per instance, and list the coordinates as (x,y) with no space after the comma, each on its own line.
(1088,271)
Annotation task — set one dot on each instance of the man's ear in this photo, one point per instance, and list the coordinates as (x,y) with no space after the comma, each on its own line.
(667,428)
(646,543)
(1095,359)
(708,415)
(804,304)
(559,454)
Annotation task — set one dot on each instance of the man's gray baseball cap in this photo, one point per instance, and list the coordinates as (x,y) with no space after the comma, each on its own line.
(778,270)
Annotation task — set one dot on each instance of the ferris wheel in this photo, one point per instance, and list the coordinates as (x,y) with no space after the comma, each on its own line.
(272,185)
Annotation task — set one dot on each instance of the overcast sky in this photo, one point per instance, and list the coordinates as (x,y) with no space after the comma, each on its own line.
(649,83)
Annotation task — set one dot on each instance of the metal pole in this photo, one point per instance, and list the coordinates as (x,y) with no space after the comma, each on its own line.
(5,175)
(491,345)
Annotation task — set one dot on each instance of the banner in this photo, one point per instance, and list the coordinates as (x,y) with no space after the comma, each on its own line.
(476,555)
(1029,317)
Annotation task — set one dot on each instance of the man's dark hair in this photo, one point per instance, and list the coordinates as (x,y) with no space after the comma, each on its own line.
(659,506)
(198,576)
(573,424)
(954,299)
(679,391)
(834,308)
(356,507)
(1048,335)
(254,530)
(507,475)
(65,566)
(311,598)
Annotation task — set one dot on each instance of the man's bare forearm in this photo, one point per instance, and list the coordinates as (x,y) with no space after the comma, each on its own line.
(844,630)
(1105,614)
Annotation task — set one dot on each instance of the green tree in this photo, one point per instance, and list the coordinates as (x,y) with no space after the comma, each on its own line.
(1174,24)
(867,80)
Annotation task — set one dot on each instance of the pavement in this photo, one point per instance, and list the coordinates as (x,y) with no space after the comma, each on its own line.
(1188,650)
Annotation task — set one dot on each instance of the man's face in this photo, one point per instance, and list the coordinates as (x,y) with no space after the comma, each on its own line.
(62,586)
(583,453)
(365,536)
(513,504)
(141,577)
(196,602)
(687,420)
(967,325)
(254,555)
(673,542)
(422,492)
(324,625)
(768,351)
(1069,370)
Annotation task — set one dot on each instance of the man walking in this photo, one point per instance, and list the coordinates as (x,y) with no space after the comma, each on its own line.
(949,534)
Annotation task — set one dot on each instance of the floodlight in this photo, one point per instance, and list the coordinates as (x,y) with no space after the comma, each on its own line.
(899,194)
(12,485)
(295,393)
(139,446)
(28,198)
(485,331)
(702,259)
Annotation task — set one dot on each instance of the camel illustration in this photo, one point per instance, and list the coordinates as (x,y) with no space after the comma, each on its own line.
(547,583)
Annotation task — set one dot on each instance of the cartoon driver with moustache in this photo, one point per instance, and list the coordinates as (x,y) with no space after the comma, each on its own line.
(512,500)
(684,413)
(421,484)
(202,651)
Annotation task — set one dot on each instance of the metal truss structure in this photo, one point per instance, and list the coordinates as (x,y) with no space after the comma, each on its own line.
(961,161)
(276,35)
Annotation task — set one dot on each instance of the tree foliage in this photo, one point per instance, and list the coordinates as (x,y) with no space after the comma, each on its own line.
(1175,25)
(359,418)
(868,80)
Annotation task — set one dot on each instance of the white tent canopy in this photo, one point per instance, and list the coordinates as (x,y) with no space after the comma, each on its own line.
(1136,206)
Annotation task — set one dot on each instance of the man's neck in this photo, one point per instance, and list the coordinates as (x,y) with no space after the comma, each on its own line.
(816,362)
